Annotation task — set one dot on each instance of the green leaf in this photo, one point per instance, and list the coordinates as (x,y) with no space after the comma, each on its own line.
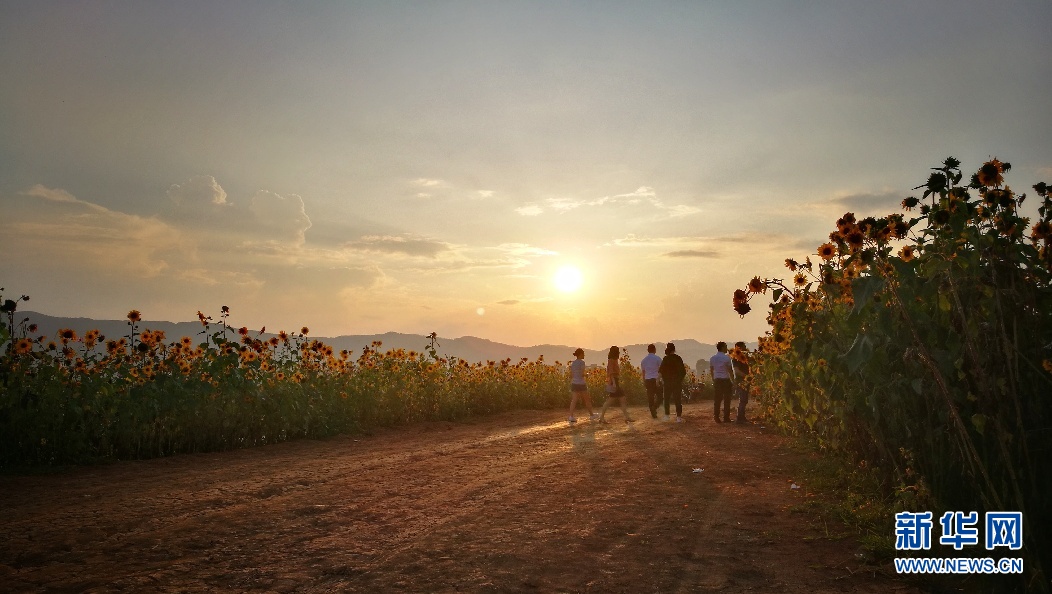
(860,352)
(979,422)
(864,288)
(944,303)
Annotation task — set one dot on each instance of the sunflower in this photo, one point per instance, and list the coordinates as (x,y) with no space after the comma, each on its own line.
(846,223)
(791,264)
(907,253)
(1042,230)
(909,203)
(827,251)
(304,330)
(67,335)
(990,174)
(134,316)
(740,297)
(800,279)
(23,346)
(756,285)
(855,239)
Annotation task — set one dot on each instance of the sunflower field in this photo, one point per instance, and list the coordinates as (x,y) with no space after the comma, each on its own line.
(73,399)
(921,343)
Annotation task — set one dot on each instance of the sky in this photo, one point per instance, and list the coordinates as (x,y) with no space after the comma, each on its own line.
(364,167)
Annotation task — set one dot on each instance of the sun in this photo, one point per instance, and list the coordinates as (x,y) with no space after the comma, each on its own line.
(568,279)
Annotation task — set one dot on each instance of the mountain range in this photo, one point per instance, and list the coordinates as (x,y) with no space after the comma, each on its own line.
(469,348)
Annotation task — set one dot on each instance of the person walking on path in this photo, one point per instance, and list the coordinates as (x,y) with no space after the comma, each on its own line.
(740,361)
(721,369)
(672,372)
(613,385)
(650,366)
(578,387)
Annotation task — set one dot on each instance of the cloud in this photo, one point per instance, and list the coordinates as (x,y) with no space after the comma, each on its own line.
(633,240)
(200,190)
(641,196)
(486,193)
(212,278)
(102,240)
(410,246)
(867,203)
(61,197)
(692,254)
(530,210)
(427,183)
(524,249)
(508,302)
(682,210)
(280,218)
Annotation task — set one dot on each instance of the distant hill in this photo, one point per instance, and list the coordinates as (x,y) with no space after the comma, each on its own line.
(469,348)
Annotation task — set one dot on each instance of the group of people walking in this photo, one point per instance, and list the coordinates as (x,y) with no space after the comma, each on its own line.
(663,380)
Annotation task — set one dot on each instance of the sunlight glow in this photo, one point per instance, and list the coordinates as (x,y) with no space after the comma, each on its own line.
(568,279)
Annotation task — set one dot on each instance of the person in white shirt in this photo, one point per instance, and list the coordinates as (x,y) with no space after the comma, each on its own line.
(578,387)
(722,369)
(649,366)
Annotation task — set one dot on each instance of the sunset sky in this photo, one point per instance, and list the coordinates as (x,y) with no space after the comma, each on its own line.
(363,167)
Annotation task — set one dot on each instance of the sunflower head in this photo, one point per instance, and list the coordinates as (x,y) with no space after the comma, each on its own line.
(1042,230)
(907,253)
(855,239)
(756,285)
(134,316)
(827,251)
(991,173)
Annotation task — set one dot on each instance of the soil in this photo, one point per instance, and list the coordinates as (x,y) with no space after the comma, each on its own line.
(518,502)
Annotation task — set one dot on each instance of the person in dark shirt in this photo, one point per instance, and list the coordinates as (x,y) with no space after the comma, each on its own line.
(672,372)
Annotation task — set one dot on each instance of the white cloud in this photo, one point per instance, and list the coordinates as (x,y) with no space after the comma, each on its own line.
(102,239)
(641,196)
(200,190)
(281,218)
(427,183)
(60,197)
(410,246)
(486,193)
(530,210)
(524,249)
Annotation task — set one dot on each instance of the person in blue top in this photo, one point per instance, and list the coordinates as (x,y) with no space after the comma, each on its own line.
(578,387)
(722,370)
(649,366)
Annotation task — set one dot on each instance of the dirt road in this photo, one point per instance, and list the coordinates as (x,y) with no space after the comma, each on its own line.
(518,502)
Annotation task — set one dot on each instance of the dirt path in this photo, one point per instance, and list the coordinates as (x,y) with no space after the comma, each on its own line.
(515,502)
